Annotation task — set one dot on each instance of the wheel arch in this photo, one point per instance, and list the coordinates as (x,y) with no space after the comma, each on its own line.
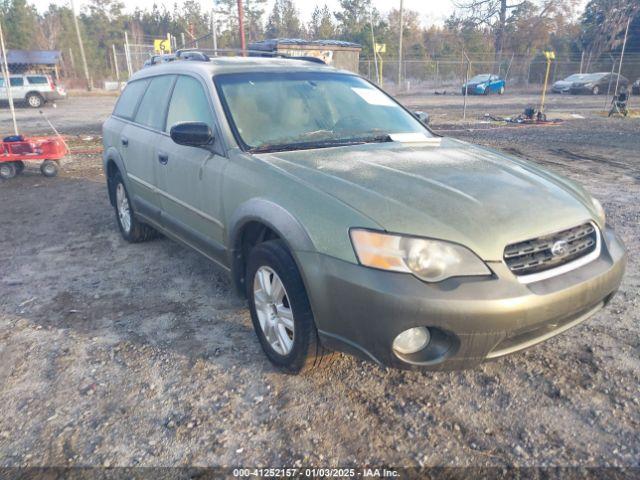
(259,220)
(35,92)
(113,164)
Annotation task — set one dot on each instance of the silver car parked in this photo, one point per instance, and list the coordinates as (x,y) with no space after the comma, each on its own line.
(34,90)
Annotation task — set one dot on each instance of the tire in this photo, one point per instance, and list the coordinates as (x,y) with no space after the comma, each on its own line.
(302,351)
(595,90)
(132,230)
(34,100)
(7,170)
(487,91)
(49,168)
(19,167)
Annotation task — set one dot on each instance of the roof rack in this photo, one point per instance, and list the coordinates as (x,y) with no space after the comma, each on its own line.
(195,54)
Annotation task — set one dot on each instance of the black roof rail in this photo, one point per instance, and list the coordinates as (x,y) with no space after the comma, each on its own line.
(195,54)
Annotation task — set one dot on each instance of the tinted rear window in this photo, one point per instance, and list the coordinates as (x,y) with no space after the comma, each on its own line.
(16,81)
(38,80)
(129,99)
(153,106)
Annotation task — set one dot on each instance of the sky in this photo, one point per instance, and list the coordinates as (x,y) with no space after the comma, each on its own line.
(431,11)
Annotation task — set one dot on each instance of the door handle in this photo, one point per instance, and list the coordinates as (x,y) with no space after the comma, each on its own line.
(124,141)
(163,158)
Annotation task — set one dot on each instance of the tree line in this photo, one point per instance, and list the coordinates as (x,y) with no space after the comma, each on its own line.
(487,29)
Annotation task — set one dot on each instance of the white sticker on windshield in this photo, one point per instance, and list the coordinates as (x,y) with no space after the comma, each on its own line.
(374,97)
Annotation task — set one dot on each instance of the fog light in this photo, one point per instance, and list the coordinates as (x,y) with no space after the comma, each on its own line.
(412,340)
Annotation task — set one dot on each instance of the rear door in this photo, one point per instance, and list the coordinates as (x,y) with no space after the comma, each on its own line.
(189,178)
(142,107)
(18,88)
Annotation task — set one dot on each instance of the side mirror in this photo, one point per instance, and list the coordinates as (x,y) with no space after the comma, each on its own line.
(423,117)
(192,134)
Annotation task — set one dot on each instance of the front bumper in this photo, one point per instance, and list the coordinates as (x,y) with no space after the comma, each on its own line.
(361,310)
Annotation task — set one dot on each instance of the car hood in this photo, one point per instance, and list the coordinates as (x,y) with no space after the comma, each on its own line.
(445,189)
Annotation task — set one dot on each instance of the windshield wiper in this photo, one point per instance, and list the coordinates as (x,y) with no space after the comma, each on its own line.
(342,142)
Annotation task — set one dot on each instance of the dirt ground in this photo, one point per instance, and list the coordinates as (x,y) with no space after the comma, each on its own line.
(140,355)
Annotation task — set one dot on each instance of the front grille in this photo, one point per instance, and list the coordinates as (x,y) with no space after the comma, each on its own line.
(538,254)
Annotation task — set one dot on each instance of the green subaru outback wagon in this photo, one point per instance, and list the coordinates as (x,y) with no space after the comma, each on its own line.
(347,223)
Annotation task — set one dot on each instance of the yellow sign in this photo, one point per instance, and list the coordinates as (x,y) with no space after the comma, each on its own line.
(162,45)
(550,55)
(381,47)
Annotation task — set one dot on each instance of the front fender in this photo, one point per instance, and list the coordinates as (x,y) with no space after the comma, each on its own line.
(274,216)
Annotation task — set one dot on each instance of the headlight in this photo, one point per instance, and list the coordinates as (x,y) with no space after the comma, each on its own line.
(602,218)
(429,260)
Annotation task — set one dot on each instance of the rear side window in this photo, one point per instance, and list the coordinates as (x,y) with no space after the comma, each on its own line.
(189,103)
(126,106)
(153,106)
(39,80)
(16,81)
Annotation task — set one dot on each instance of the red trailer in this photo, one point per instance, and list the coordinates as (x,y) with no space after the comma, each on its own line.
(15,151)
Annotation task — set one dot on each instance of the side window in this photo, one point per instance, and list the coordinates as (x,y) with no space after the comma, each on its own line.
(154,103)
(128,101)
(189,103)
(16,81)
(37,80)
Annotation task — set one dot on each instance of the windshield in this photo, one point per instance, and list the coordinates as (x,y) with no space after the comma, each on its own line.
(574,77)
(272,111)
(480,78)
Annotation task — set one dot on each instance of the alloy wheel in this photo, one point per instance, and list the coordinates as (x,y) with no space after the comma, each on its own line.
(124,212)
(273,310)
(34,101)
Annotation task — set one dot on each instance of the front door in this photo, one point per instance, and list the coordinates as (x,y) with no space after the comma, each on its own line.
(189,177)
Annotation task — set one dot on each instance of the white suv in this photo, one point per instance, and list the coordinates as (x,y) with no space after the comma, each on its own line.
(35,90)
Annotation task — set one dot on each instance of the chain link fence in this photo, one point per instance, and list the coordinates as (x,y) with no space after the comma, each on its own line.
(520,73)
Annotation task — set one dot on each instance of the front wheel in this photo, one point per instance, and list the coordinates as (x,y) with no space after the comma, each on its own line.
(49,168)
(595,90)
(280,310)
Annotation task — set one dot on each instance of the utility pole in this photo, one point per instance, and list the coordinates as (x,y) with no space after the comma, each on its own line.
(624,45)
(127,54)
(243,41)
(466,86)
(400,47)
(373,47)
(115,62)
(214,33)
(84,58)
(7,82)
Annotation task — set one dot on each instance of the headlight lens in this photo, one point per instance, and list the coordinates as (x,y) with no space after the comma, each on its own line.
(429,260)
(602,217)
